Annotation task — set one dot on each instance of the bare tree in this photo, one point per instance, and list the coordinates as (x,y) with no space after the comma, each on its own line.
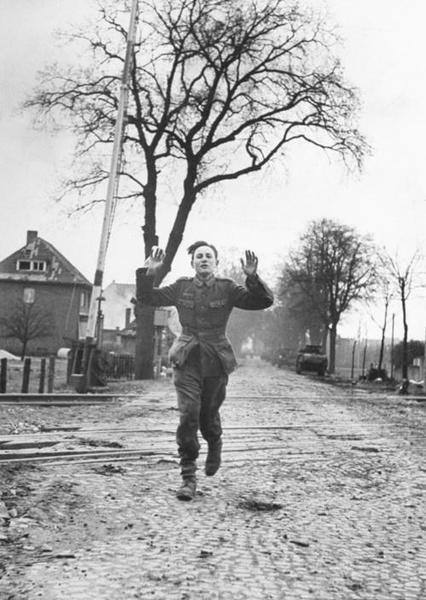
(26,322)
(384,294)
(334,267)
(219,88)
(403,276)
(386,300)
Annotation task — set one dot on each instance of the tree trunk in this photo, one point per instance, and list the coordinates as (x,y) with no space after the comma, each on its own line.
(324,338)
(149,228)
(144,346)
(176,234)
(382,342)
(333,337)
(144,350)
(405,339)
(24,349)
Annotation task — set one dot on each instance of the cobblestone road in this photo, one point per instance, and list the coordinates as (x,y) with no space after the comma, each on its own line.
(321,495)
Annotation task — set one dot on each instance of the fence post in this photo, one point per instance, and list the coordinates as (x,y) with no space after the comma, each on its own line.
(3,375)
(26,375)
(50,374)
(42,376)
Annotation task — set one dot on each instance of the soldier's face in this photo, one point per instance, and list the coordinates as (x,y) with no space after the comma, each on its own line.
(204,261)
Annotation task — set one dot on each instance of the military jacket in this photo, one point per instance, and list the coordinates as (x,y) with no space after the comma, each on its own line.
(204,309)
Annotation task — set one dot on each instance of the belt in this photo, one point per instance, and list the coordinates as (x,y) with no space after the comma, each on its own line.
(213,333)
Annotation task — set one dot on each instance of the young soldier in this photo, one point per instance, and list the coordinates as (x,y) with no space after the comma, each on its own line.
(202,356)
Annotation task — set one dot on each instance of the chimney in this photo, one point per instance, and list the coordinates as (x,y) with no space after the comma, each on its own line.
(128,316)
(31,236)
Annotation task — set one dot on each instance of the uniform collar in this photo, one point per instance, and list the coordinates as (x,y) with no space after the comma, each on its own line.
(208,281)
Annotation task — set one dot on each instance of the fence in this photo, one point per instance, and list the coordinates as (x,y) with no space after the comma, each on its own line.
(46,375)
(120,366)
(35,375)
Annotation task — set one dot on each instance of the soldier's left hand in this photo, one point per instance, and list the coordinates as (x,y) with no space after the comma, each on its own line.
(250,265)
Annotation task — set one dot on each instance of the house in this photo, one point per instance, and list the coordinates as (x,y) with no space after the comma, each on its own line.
(119,326)
(39,284)
(117,311)
(117,305)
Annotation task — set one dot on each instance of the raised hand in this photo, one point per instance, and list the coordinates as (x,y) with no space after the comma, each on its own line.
(155,260)
(250,265)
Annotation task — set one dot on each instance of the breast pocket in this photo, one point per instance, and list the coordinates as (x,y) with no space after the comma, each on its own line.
(217,303)
(218,312)
(185,303)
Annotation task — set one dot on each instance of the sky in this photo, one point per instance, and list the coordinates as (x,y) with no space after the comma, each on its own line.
(383,56)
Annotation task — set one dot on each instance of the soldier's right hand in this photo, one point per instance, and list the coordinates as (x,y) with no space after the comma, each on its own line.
(155,260)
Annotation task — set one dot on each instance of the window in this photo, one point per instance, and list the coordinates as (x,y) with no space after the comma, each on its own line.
(38,265)
(84,300)
(32,265)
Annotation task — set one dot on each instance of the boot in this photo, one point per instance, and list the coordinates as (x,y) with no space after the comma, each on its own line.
(187,489)
(188,469)
(213,457)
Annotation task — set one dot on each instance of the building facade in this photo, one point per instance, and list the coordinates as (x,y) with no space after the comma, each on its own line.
(41,290)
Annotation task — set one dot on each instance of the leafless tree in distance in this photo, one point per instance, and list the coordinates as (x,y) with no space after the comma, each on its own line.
(334,266)
(26,322)
(404,276)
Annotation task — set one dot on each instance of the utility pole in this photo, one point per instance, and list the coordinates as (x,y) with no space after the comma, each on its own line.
(111,197)
(392,344)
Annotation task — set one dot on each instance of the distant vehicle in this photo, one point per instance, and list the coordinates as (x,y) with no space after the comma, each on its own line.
(311,358)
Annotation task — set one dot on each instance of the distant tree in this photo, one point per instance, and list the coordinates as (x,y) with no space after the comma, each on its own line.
(333,267)
(403,276)
(301,311)
(406,355)
(219,89)
(386,300)
(26,322)
(384,295)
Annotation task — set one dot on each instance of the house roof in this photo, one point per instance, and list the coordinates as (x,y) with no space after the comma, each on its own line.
(59,269)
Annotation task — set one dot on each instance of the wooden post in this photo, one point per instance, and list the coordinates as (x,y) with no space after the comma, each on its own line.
(70,361)
(50,374)
(26,375)
(3,375)
(42,376)
(424,366)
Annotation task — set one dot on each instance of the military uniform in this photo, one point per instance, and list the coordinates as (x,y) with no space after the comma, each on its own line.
(202,355)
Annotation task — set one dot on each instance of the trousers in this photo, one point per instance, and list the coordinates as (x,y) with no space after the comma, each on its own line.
(199,399)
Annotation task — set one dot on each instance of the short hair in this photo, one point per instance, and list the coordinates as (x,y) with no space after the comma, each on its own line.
(194,247)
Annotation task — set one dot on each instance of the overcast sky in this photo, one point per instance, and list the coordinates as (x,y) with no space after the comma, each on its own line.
(383,55)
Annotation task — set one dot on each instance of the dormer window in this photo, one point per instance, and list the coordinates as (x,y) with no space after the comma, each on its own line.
(32,265)
(38,265)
